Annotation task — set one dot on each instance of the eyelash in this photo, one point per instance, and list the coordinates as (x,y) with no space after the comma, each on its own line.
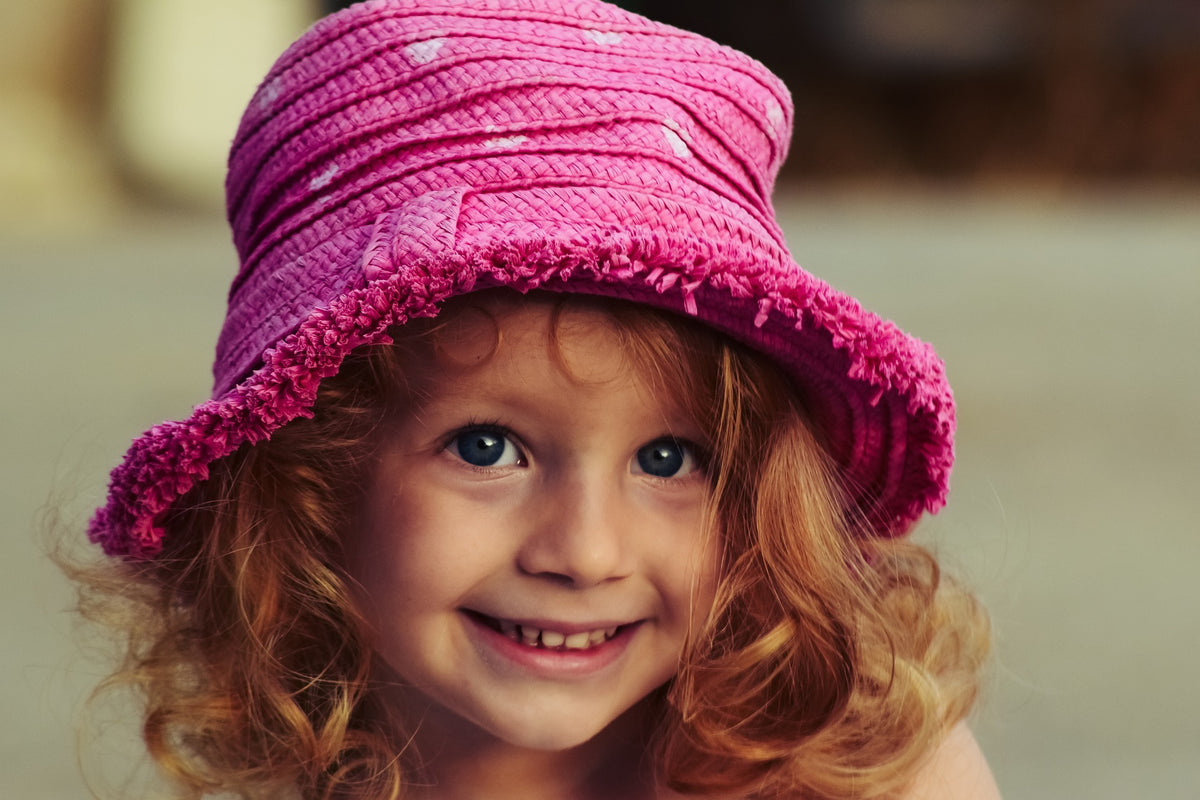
(699,456)
(495,429)
(690,451)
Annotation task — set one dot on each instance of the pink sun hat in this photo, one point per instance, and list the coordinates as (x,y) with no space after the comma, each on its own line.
(403,152)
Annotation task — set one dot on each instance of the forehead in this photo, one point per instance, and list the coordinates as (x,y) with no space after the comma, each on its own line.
(565,341)
(512,336)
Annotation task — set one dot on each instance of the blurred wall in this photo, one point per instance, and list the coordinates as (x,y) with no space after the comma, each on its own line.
(1036,89)
(101,97)
(180,74)
(51,161)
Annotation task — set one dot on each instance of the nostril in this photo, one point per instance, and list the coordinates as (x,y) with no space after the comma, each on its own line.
(558,578)
(574,559)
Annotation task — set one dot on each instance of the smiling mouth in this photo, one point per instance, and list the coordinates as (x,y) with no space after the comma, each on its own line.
(545,638)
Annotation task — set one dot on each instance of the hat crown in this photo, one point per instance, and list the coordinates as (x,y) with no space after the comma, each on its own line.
(521,104)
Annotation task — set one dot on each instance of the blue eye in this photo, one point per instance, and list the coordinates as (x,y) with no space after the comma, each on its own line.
(485,447)
(666,458)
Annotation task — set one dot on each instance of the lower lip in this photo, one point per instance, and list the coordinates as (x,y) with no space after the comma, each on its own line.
(549,663)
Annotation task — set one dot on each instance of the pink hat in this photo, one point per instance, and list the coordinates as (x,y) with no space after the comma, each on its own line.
(406,151)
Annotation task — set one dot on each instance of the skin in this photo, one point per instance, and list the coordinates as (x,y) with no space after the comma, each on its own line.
(564,529)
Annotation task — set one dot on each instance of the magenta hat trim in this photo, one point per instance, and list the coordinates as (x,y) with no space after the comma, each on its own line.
(405,152)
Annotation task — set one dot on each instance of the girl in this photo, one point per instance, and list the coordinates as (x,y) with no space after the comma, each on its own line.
(534,465)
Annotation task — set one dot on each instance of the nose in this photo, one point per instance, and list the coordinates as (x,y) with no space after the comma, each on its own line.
(579,535)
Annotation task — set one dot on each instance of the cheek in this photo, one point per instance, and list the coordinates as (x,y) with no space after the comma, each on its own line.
(688,557)
(705,577)
(383,544)
(419,548)
(709,553)
(407,571)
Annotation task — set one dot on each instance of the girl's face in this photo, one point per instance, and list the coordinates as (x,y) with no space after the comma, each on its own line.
(532,548)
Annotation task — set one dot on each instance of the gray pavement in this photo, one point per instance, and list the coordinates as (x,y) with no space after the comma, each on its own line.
(1072,335)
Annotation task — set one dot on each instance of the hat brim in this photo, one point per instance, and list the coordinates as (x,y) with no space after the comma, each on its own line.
(879,396)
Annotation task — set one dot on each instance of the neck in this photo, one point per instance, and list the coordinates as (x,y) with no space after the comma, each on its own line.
(464,763)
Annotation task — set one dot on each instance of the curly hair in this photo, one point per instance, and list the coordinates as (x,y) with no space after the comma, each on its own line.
(831,664)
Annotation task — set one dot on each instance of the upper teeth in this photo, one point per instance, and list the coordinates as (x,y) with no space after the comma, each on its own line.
(546,638)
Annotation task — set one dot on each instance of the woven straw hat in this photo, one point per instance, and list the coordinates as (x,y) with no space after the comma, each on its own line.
(402,152)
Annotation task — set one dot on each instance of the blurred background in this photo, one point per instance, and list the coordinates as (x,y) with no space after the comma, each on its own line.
(1015,181)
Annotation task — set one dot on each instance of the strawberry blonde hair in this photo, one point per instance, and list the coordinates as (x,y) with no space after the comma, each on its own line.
(831,665)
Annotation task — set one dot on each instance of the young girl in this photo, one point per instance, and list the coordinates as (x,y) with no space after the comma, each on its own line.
(534,466)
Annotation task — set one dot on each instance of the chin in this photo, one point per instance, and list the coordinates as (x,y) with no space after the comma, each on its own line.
(551,731)
(564,733)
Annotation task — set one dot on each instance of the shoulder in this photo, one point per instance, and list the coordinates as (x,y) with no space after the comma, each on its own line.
(957,771)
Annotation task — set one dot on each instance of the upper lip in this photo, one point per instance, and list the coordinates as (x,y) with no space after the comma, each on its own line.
(556,625)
